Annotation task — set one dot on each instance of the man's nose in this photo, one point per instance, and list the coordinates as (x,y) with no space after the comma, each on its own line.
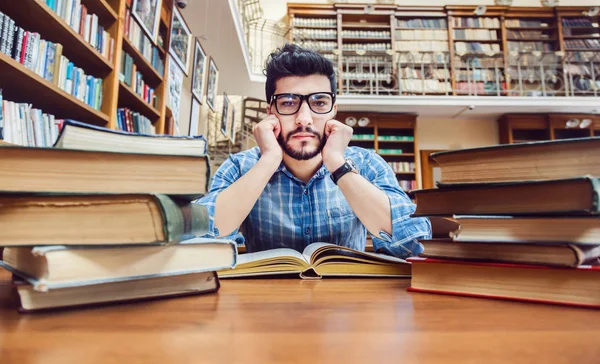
(304,115)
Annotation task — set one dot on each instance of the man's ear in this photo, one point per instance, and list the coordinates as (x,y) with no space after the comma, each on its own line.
(334,111)
(269,110)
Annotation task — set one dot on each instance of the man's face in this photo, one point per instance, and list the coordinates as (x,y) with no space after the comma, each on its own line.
(302,133)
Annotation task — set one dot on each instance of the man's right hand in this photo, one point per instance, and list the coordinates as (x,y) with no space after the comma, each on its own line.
(266,133)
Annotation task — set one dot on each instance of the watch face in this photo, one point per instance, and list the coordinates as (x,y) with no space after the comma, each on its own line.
(352,164)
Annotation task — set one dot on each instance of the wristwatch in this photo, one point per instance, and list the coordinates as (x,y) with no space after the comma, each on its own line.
(348,166)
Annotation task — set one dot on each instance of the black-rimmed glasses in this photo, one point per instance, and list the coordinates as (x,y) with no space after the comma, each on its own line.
(318,102)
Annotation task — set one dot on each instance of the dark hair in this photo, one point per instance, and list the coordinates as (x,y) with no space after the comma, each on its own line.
(293,60)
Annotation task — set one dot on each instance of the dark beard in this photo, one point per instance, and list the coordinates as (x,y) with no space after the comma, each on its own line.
(301,155)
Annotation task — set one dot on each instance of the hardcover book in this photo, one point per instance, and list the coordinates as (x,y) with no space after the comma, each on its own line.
(316,261)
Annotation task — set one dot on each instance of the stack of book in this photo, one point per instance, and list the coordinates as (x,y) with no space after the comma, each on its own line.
(529,224)
(107,216)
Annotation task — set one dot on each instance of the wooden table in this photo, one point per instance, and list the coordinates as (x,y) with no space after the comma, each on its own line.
(294,321)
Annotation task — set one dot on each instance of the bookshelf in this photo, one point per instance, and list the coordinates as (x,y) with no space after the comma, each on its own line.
(519,128)
(422,51)
(449,50)
(92,55)
(580,41)
(390,135)
(533,40)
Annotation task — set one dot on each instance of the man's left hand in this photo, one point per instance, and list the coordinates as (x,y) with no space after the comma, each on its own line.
(338,136)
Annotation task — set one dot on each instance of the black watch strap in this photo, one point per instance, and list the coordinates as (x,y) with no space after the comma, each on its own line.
(348,166)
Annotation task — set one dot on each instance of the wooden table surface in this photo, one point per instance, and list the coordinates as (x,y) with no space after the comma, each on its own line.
(295,321)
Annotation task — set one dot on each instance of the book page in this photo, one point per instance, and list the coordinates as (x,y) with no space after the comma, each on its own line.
(312,252)
(269,254)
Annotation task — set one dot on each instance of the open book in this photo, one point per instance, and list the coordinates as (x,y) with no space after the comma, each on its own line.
(316,261)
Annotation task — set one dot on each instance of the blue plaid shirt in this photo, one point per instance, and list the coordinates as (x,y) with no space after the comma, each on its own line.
(292,214)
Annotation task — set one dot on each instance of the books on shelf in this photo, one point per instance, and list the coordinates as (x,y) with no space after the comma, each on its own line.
(418,34)
(86,24)
(421,45)
(578,22)
(316,261)
(46,59)
(433,23)
(142,43)
(479,22)
(21,124)
(475,34)
(76,135)
(314,22)
(526,23)
(397,167)
(135,80)
(476,47)
(408,185)
(134,122)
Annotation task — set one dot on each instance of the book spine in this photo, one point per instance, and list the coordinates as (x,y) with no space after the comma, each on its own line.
(182,220)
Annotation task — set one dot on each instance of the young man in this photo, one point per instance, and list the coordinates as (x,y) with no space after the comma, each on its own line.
(303,184)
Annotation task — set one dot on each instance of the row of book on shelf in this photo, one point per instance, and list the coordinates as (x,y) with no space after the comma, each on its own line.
(86,24)
(314,22)
(424,23)
(46,59)
(402,166)
(140,40)
(419,34)
(522,223)
(582,44)
(21,124)
(135,80)
(479,22)
(475,34)
(314,33)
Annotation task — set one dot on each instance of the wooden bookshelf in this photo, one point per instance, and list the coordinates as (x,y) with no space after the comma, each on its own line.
(520,128)
(36,16)
(101,8)
(128,98)
(150,74)
(388,125)
(43,94)
(536,32)
(20,84)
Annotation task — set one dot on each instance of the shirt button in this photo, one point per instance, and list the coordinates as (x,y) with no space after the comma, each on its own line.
(307,230)
(306,192)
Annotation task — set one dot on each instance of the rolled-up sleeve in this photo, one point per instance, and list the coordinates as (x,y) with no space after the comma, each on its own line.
(406,230)
(225,176)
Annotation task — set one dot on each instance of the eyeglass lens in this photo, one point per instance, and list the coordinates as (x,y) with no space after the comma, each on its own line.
(290,104)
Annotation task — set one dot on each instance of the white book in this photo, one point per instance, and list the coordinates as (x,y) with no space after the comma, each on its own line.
(94,31)
(69,12)
(87,27)
(7,121)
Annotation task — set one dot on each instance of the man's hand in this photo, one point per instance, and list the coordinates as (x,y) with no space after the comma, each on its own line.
(266,133)
(338,136)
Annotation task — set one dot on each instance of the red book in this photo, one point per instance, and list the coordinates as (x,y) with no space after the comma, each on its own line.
(531,283)
(24,47)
